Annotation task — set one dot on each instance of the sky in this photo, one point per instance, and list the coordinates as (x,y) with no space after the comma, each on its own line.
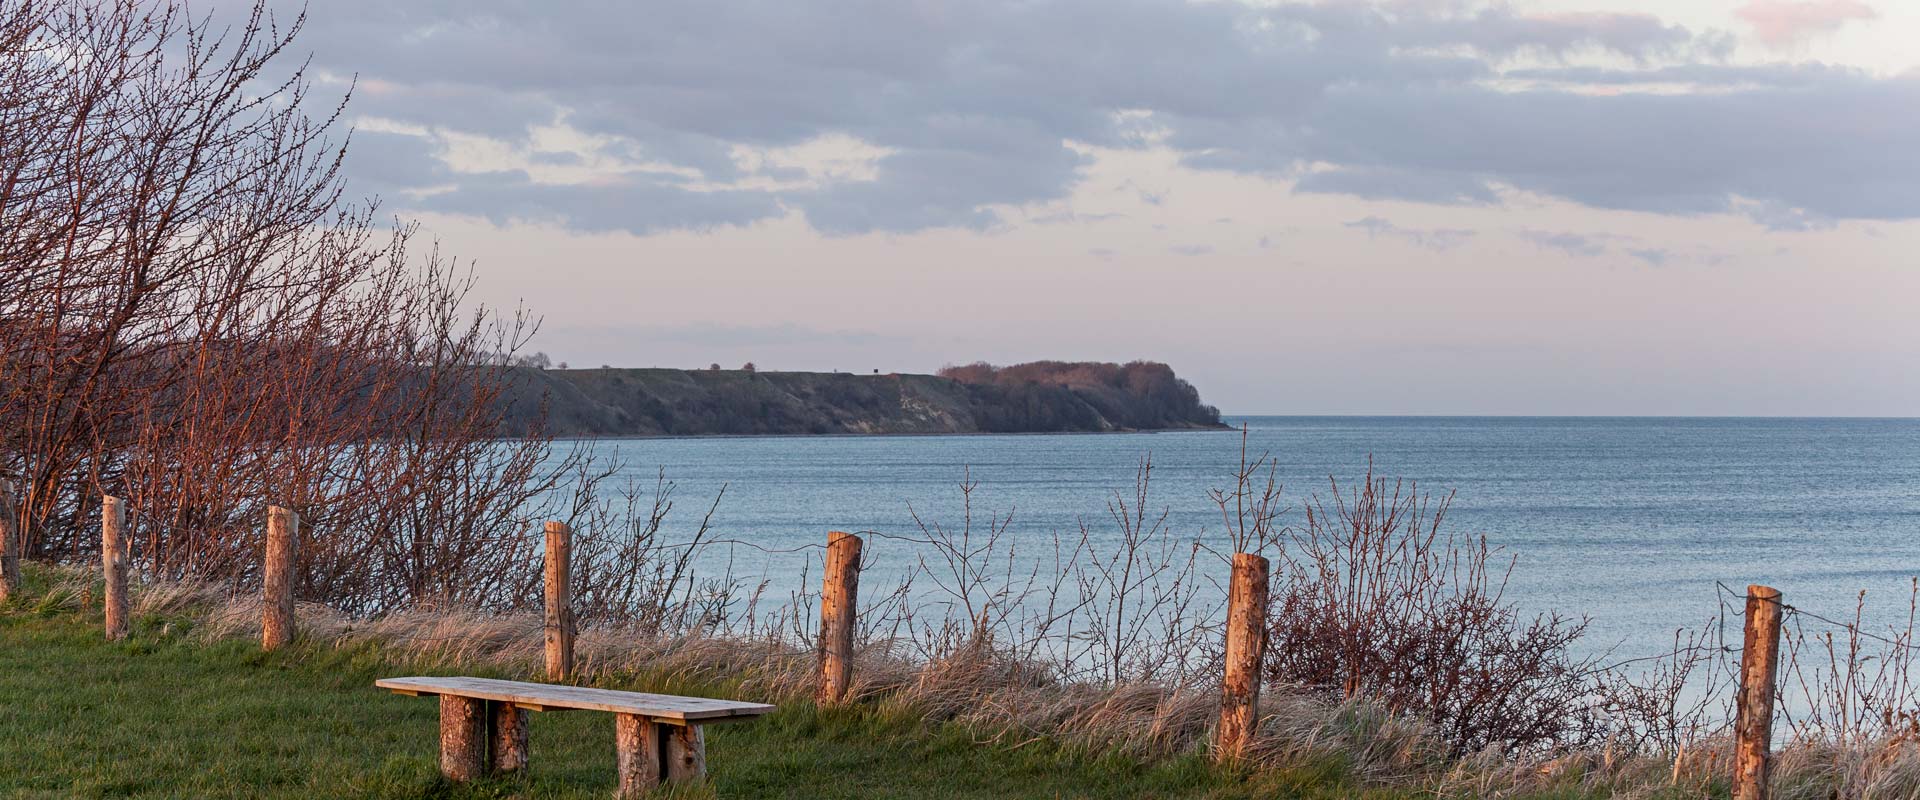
(1406,206)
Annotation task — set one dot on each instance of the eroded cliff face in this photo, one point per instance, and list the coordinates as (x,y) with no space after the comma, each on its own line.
(672,402)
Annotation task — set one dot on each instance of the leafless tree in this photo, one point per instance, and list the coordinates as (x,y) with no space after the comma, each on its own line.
(194,317)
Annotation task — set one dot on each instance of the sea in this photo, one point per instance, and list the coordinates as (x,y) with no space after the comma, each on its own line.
(1641,525)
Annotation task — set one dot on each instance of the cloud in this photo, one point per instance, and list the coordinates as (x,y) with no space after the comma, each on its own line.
(1714,77)
(1598,245)
(1825,155)
(1072,218)
(384,162)
(1653,256)
(1149,197)
(637,202)
(975,109)
(1438,240)
(556,158)
(1498,31)
(961,167)
(473,107)
(1785,23)
(1572,244)
(1378,183)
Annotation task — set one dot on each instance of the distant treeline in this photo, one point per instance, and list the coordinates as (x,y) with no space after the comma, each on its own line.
(1045,396)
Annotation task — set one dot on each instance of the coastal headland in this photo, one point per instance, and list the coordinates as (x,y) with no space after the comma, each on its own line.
(1038,397)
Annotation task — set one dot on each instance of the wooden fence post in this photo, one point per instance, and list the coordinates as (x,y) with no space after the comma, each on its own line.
(9,543)
(276,602)
(1753,714)
(838,596)
(1246,652)
(559,618)
(113,563)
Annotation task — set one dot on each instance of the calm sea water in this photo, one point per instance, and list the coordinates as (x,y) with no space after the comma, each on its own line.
(1631,521)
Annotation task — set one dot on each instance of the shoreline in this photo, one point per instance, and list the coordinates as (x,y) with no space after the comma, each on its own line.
(1228,428)
(1223,428)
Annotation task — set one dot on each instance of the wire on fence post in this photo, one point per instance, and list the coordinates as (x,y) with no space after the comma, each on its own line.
(1753,713)
(838,594)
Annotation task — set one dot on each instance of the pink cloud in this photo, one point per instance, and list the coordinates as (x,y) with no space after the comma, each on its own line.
(1780,23)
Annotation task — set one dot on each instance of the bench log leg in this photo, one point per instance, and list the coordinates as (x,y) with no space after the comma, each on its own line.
(463,737)
(686,754)
(508,736)
(636,754)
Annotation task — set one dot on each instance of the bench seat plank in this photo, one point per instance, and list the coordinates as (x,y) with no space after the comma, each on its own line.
(661,707)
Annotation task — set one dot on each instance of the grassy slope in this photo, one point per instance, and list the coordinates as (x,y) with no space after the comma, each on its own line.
(166,714)
(657,401)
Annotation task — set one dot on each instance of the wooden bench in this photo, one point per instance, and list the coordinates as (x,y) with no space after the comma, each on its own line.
(483,726)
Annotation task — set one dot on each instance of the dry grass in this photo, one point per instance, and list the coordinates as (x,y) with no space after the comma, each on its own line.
(1094,659)
(981,689)
(1002,699)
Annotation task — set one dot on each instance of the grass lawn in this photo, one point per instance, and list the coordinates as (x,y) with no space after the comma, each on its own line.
(167,714)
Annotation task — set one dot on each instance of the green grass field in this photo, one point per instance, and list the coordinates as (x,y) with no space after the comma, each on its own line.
(167,714)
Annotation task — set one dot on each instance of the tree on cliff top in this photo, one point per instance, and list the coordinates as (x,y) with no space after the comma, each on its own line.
(1144,393)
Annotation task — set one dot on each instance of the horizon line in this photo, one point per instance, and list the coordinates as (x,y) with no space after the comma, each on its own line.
(1442,415)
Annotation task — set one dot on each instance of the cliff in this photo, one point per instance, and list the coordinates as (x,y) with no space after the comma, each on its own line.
(673,402)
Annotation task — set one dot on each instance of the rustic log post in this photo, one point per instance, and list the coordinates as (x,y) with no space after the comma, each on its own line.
(463,737)
(1246,651)
(1753,714)
(276,602)
(636,754)
(559,619)
(9,543)
(838,596)
(686,753)
(113,563)
(506,736)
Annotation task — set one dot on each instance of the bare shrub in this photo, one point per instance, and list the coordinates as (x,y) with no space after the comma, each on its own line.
(1111,606)
(977,584)
(1251,511)
(1373,600)
(1142,615)
(630,573)
(1661,704)
(1851,685)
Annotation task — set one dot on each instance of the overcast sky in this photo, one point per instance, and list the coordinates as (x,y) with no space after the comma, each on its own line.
(1416,206)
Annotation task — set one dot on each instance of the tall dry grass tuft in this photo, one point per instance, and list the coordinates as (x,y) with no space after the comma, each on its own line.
(68,588)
